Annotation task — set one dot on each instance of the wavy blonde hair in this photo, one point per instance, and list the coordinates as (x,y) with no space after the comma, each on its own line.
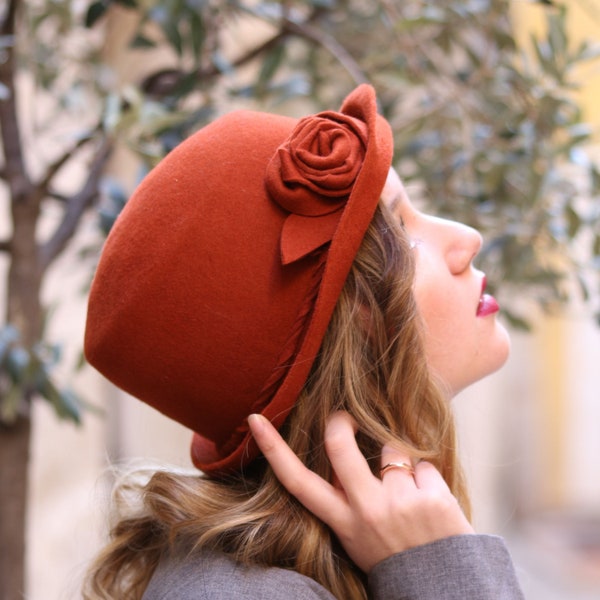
(372,365)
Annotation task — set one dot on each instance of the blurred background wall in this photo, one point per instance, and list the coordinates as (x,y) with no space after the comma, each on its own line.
(529,434)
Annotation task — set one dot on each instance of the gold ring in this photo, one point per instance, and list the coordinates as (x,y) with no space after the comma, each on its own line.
(397,465)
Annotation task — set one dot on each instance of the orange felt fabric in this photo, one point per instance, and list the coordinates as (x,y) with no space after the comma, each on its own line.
(211,299)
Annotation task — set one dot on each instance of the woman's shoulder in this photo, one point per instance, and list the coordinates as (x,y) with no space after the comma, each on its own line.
(455,568)
(206,575)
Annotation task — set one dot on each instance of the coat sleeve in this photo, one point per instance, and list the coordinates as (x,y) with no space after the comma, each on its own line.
(465,567)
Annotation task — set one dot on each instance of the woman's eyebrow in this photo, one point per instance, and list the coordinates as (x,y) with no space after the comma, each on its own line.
(397,202)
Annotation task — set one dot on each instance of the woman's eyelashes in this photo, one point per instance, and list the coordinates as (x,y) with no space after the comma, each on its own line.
(413,242)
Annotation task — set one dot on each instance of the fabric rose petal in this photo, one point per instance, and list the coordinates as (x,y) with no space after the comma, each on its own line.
(312,175)
(313,172)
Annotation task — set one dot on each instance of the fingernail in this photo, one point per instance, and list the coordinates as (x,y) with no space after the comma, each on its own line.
(257,423)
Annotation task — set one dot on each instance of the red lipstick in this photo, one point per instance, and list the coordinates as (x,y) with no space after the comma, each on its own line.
(487,303)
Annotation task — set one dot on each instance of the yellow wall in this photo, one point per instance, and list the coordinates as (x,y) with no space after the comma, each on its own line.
(553,400)
(584,24)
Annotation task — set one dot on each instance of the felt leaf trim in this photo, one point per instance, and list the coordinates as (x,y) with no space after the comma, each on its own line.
(312,175)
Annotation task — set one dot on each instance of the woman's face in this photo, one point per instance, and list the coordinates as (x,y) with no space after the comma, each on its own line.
(463,339)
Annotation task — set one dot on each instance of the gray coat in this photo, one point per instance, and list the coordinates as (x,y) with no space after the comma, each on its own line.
(467,567)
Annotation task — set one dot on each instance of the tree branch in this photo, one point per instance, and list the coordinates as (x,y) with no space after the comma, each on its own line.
(42,187)
(58,197)
(312,33)
(75,207)
(213,71)
(5,246)
(163,83)
(308,31)
(7,27)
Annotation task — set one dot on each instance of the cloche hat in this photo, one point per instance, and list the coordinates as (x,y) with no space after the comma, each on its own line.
(218,281)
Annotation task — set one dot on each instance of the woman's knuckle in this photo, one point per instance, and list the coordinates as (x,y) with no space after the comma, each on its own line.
(335,443)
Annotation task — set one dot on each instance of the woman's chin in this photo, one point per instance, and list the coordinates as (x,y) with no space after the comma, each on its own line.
(486,364)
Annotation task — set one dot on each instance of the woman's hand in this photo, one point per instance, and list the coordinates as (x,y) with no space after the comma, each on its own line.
(372,518)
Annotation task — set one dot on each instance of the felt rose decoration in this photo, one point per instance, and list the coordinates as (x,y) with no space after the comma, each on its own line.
(312,175)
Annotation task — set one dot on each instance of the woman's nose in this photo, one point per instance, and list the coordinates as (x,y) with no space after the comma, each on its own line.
(463,244)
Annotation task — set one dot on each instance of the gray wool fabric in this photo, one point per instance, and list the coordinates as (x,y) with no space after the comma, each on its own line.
(476,567)
(466,567)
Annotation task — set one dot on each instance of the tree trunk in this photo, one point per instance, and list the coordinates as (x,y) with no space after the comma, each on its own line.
(14,458)
(24,276)
(23,311)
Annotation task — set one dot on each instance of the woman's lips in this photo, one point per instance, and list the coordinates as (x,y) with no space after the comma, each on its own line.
(487,306)
(487,303)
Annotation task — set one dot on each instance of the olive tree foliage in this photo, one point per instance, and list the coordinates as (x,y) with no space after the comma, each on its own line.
(486,132)
(489,131)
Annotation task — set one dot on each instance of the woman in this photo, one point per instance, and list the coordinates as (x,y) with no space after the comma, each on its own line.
(276,268)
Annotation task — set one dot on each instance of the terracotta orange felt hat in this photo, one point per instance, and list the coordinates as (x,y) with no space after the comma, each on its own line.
(219,279)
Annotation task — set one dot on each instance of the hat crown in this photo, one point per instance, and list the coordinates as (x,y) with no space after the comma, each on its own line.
(211,297)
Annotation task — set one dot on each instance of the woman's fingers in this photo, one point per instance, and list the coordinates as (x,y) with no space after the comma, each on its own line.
(316,494)
(437,499)
(350,466)
(372,519)
(427,477)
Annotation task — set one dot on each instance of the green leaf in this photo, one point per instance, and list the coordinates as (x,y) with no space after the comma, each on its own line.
(595,175)
(173,35)
(197,34)
(17,362)
(573,221)
(81,361)
(10,404)
(8,336)
(64,402)
(116,199)
(596,245)
(583,287)
(270,64)
(95,12)
(329,4)
(70,406)
(140,41)
(518,322)
(557,35)
(113,105)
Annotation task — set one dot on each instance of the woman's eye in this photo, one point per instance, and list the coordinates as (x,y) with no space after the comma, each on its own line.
(413,243)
